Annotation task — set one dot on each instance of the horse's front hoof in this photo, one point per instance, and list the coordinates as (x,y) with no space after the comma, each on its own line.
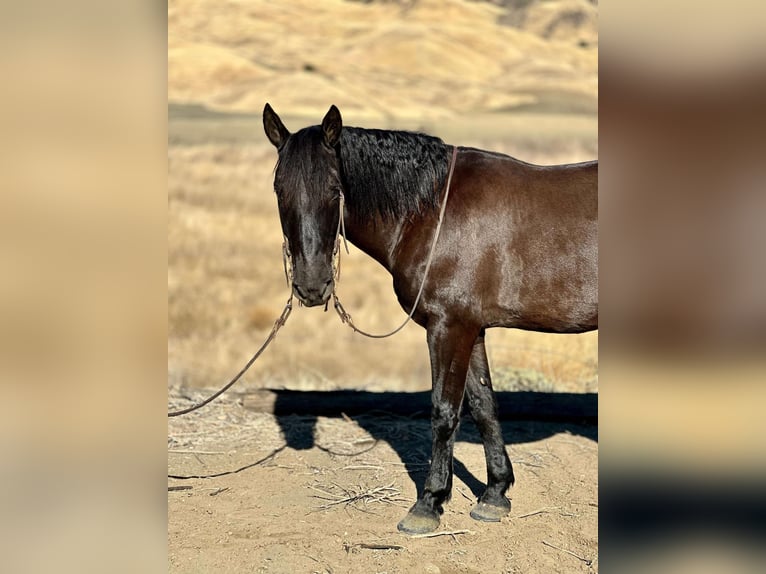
(419,522)
(491,512)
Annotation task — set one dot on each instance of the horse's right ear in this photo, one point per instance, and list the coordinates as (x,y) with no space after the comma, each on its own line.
(274,128)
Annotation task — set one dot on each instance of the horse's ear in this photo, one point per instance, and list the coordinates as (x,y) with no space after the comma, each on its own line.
(331,126)
(274,128)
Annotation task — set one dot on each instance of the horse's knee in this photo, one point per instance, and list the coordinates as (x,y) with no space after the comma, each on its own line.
(444,420)
(473,400)
(502,463)
(482,408)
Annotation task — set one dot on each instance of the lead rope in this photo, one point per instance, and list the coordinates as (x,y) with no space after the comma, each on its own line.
(342,313)
(281,320)
(278,324)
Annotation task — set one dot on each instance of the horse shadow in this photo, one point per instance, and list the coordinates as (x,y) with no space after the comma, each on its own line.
(410,435)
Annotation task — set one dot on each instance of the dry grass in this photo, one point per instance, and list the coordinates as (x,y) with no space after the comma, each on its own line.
(226,284)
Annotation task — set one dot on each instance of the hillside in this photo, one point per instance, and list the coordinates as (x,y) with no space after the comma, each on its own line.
(381,60)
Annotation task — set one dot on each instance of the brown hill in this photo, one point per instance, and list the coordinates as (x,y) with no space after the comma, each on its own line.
(415,59)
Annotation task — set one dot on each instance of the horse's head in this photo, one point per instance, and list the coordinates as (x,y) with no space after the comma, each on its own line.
(308,187)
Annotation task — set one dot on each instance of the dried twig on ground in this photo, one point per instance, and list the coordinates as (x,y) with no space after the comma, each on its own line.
(587,561)
(464,495)
(551,510)
(351,547)
(445,533)
(353,494)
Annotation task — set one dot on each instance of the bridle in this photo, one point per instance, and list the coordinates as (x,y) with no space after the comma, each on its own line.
(342,313)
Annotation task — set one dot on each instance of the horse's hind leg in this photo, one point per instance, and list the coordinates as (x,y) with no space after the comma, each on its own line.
(493,504)
(450,350)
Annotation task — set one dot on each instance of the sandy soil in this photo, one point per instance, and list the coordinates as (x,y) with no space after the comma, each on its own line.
(321,492)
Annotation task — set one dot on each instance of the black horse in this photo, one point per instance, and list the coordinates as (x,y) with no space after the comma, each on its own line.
(517,248)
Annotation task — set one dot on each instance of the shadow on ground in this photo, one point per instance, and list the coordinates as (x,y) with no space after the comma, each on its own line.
(410,434)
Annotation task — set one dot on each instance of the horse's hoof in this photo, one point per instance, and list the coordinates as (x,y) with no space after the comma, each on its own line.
(418,523)
(491,512)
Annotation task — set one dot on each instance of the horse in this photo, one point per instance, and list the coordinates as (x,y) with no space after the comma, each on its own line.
(517,248)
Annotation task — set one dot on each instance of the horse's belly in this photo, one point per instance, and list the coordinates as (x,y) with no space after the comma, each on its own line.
(558,293)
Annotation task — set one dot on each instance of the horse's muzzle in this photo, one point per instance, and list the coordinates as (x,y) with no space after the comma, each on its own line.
(313,296)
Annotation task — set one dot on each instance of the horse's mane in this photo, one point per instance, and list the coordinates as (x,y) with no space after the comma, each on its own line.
(391,173)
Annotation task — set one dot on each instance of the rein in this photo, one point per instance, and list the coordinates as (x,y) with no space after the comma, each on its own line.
(345,317)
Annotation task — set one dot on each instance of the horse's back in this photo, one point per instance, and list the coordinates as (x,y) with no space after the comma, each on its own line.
(535,241)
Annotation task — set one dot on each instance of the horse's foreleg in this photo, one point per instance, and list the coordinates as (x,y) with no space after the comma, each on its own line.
(493,504)
(450,350)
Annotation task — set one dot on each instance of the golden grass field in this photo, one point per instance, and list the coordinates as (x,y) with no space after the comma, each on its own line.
(226,284)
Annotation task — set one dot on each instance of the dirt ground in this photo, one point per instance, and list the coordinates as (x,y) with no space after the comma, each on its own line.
(320,494)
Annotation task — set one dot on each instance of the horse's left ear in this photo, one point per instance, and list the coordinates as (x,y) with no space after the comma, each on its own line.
(332,124)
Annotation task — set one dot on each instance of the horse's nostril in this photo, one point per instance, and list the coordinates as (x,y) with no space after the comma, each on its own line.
(313,294)
(301,293)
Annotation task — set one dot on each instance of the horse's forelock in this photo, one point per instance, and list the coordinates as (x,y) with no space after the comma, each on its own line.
(299,161)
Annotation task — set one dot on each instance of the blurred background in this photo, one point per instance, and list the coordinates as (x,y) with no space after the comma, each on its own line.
(83,239)
(514,76)
(682,199)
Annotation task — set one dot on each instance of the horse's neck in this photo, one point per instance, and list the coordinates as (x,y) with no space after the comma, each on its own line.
(377,239)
